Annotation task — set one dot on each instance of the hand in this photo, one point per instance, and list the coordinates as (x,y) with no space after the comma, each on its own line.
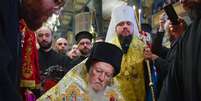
(149,55)
(177,30)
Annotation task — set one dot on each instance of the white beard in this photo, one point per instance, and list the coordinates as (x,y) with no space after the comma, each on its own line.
(97,96)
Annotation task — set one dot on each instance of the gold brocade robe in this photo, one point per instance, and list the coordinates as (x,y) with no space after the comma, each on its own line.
(74,87)
(30,76)
(130,80)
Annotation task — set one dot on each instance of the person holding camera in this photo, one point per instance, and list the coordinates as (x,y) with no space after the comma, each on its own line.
(183,82)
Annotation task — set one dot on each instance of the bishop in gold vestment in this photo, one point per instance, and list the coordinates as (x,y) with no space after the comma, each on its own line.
(124,33)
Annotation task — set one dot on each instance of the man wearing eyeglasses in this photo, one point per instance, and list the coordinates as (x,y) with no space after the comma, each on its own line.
(84,42)
(84,39)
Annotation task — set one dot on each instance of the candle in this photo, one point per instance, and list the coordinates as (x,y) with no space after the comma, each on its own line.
(135,14)
(139,11)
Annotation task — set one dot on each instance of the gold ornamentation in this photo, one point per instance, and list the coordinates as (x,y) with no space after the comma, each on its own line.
(130,80)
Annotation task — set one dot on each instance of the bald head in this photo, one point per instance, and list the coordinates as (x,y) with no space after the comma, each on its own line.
(61,45)
(44,37)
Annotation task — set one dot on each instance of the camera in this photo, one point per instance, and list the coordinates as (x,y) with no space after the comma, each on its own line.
(172,15)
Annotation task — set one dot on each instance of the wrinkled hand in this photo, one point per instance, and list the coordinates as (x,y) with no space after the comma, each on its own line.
(72,54)
(148,54)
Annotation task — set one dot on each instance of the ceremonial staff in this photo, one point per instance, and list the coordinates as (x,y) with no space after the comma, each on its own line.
(144,39)
(150,80)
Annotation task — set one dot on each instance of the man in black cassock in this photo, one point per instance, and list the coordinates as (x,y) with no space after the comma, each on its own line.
(49,59)
(183,82)
(34,12)
(163,57)
(9,52)
(84,42)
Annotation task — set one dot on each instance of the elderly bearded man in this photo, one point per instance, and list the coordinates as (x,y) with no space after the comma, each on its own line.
(91,80)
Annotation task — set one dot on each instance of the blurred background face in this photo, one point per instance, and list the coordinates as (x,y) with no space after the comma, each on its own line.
(162,19)
(44,38)
(100,75)
(74,52)
(124,28)
(61,45)
(168,31)
(74,47)
(84,46)
(35,12)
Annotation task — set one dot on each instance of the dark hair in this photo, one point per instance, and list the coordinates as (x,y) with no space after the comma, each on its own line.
(83,34)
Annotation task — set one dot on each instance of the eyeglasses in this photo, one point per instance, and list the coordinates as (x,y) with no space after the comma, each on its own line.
(87,43)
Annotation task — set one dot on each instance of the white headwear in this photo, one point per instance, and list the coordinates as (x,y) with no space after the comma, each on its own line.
(119,14)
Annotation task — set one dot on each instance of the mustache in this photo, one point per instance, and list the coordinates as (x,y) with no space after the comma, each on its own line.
(125,30)
(44,41)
